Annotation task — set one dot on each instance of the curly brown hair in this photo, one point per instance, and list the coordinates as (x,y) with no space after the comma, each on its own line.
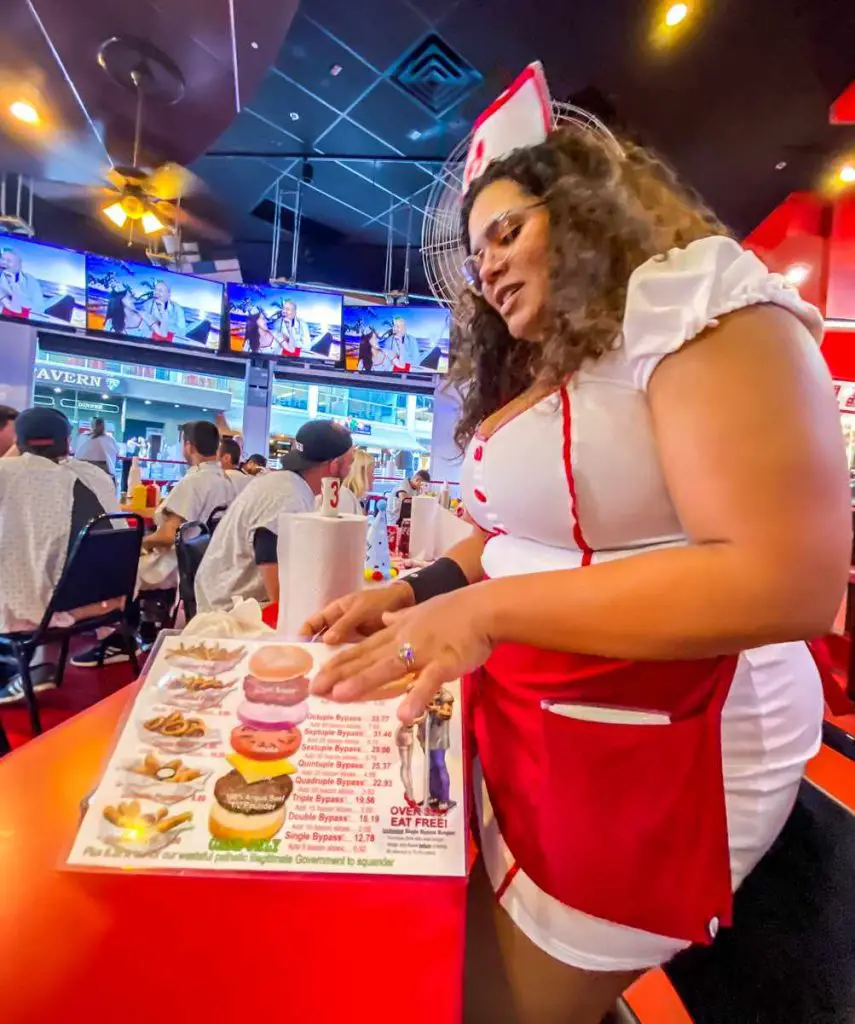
(609,212)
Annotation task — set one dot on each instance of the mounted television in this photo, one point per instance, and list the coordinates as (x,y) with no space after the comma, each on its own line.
(396,339)
(284,323)
(42,284)
(144,303)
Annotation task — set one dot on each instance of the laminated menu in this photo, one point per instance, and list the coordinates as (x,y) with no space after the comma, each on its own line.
(226,762)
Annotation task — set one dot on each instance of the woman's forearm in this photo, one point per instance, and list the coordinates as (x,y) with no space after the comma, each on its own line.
(467,553)
(688,602)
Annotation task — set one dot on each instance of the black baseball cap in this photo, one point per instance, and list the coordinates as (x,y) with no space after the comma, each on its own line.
(45,431)
(317,441)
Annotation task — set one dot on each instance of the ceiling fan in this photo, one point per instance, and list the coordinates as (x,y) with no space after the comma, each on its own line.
(136,198)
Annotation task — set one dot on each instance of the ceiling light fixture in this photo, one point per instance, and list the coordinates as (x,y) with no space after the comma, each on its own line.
(148,401)
(254,45)
(414,135)
(152,223)
(780,165)
(675,14)
(294,115)
(336,70)
(25,112)
(104,398)
(797,274)
(116,214)
(847,174)
(58,390)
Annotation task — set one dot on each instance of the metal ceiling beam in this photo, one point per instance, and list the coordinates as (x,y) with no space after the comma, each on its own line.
(317,158)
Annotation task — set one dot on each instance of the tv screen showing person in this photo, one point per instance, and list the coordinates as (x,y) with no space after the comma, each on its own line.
(284,323)
(396,339)
(147,303)
(41,283)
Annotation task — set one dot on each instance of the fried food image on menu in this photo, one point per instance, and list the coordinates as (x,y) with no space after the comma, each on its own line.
(174,733)
(248,810)
(168,782)
(196,692)
(205,658)
(136,830)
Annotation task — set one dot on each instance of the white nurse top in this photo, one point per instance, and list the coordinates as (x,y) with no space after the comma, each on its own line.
(576,480)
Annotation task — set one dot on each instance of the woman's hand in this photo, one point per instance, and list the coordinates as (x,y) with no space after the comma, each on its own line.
(449,636)
(358,615)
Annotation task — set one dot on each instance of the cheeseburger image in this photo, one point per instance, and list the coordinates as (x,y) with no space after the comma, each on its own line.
(248,810)
(277,675)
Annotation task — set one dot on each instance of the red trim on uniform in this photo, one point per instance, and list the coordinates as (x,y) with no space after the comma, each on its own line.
(480,495)
(506,881)
(578,536)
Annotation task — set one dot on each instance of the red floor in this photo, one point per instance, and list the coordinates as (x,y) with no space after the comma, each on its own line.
(81,688)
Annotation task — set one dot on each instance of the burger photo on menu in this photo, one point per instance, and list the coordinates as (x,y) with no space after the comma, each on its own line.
(248,811)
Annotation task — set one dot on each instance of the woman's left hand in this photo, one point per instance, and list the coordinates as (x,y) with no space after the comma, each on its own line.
(448,635)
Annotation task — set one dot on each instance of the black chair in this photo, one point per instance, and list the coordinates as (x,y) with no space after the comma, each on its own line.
(790,956)
(191,543)
(101,566)
(213,520)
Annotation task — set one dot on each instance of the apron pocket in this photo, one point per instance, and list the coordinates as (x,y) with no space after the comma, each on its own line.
(633,823)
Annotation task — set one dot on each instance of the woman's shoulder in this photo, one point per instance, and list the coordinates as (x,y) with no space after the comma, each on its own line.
(672,298)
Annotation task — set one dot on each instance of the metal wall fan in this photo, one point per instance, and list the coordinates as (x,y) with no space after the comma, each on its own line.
(442,250)
(139,200)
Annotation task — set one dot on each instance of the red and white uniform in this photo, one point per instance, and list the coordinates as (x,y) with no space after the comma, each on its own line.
(613,845)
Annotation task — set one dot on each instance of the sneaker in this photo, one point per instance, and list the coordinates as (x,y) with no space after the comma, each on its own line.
(113,649)
(13,691)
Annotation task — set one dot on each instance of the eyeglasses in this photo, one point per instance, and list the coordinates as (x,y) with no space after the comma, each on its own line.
(502,232)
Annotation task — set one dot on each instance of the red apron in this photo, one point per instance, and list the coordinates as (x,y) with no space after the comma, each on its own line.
(623,822)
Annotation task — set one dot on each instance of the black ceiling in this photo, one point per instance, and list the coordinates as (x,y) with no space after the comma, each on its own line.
(746,87)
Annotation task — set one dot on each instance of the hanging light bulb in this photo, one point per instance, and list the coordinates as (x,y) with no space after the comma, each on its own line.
(116,214)
(151,222)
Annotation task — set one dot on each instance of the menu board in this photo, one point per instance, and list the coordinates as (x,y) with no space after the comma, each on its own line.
(226,763)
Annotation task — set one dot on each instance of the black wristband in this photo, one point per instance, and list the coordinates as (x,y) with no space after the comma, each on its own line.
(442,577)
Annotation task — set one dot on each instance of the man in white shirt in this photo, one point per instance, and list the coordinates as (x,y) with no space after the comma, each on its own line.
(229,454)
(193,499)
(405,348)
(293,331)
(241,560)
(45,500)
(98,447)
(20,294)
(167,317)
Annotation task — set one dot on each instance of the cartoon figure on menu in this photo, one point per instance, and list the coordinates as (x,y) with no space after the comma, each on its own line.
(293,331)
(434,730)
(167,317)
(20,294)
(405,348)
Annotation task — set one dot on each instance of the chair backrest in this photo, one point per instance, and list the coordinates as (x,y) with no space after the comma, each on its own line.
(790,955)
(216,515)
(191,543)
(102,564)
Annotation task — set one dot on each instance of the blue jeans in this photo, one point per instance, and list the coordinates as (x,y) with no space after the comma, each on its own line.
(440,784)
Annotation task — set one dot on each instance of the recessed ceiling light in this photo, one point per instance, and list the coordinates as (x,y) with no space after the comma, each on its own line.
(204,410)
(797,274)
(148,401)
(177,406)
(294,115)
(58,390)
(104,398)
(254,45)
(847,174)
(25,112)
(415,135)
(336,70)
(676,13)
(780,165)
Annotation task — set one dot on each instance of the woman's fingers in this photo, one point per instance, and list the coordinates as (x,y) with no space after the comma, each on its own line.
(367,674)
(340,667)
(322,619)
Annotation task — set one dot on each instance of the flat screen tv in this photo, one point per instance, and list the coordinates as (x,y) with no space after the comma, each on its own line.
(284,323)
(396,339)
(144,303)
(42,284)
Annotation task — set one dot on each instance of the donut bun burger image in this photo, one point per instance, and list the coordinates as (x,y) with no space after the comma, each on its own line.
(249,801)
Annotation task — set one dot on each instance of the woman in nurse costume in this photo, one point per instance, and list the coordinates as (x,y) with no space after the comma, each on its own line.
(655,466)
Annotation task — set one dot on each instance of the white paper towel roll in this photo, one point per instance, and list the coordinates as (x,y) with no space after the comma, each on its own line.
(320,559)
(423,527)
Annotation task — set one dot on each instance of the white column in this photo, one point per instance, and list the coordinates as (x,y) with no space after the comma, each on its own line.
(445,459)
(312,404)
(258,399)
(18,343)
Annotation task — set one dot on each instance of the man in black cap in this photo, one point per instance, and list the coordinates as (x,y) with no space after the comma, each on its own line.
(46,498)
(241,560)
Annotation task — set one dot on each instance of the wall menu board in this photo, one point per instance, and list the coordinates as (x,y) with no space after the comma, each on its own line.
(396,339)
(284,323)
(135,301)
(41,283)
(226,763)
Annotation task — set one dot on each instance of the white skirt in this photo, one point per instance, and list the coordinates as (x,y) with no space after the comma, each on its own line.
(771,728)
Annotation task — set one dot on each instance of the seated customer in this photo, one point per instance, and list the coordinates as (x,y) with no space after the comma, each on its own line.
(241,560)
(192,499)
(229,454)
(45,500)
(255,465)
